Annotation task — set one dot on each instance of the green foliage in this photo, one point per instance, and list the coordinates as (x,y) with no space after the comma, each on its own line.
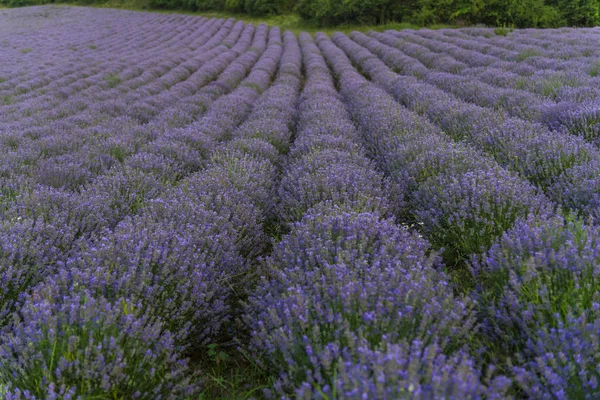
(594,70)
(112,80)
(252,7)
(525,54)
(234,5)
(231,374)
(369,12)
(267,7)
(503,31)
(512,13)
(580,12)
(507,14)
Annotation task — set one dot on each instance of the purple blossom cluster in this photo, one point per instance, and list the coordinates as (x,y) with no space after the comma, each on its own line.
(553,91)
(547,159)
(318,169)
(342,283)
(538,292)
(387,215)
(409,370)
(71,344)
(462,199)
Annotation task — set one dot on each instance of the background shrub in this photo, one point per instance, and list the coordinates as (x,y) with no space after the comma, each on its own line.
(512,13)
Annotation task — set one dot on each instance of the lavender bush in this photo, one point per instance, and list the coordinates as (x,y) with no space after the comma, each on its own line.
(408,371)
(538,290)
(77,345)
(340,278)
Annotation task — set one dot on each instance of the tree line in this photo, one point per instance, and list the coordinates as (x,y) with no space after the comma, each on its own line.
(510,13)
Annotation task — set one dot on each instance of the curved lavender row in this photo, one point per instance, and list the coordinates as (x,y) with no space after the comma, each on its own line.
(128,340)
(232,178)
(428,44)
(489,38)
(238,183)
(398,61)
(219,211)
(163,228)
(574,85)
(548,77)
(563,250)
(117,44)
(539,53)
(108,94)
(303,312)
(475,58)
(138,180)
(268,130)
(515,102)
(510,74)
(195,94)
(561,165)
(468,41)
(80,177)
(147,84)
(580,119)
(230,109)
(248,161)
(464,49)
(578,112)
(577,44)
(189,71)
(182,118)
(221,118)
(211,37)
(55,36)
(149,73)
(191,149)
(64,110)
(192,138)
(192,290)
(463,199)
(421,53)
(315,174)
(146,109)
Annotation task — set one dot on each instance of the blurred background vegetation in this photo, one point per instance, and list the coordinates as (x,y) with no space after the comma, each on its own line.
(328,13)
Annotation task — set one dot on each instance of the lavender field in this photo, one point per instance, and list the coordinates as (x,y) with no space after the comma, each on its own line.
(382,215)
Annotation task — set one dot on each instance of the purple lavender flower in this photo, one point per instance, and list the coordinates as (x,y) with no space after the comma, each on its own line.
(409,371)
(72,343)
(340,278)
(538,293)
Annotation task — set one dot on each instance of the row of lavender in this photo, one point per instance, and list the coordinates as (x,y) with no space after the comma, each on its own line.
(128,238)
(564,166)
(349,299)
(333,208)
(556,89)
(536,288)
